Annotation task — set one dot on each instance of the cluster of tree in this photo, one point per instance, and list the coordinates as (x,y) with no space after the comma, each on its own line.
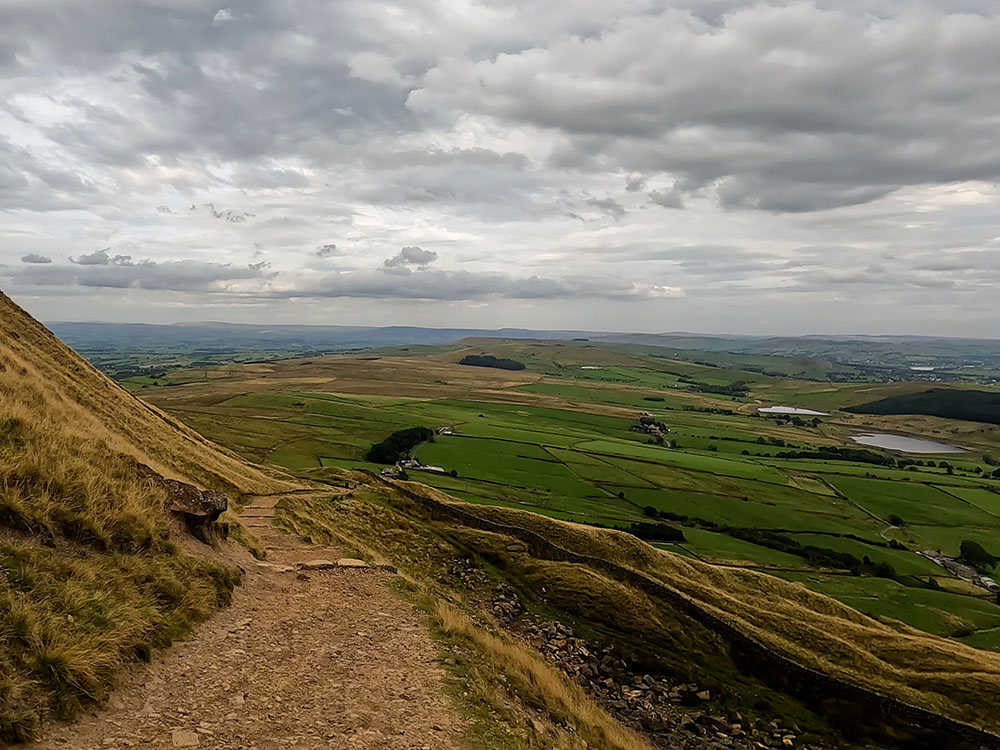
(975,556)
(398,445)
(667,515)
(656,532)
(488,360)
(708,410)
(835,453)
(736,388)
(794,420)
(650,532)
(768,440)
(652,398)
(818,556)
(132,372)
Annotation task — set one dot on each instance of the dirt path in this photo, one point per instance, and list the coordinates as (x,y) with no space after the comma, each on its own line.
(318,659)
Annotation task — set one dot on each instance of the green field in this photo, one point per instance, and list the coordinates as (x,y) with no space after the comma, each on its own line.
(563,444)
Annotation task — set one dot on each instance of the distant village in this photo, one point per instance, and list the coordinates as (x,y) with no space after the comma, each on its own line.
(961,570)
(412,464)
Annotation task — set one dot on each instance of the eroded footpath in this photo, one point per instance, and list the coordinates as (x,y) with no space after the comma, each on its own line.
(305,659)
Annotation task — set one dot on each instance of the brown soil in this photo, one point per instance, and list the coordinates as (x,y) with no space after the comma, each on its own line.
(320,659)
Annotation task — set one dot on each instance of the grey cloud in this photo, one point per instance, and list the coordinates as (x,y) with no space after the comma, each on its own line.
(609,206)
(670,198)
(96,258)
(326,251)
(174,275)
(35,258)
(635,182)
(911,104)
(410,256)
(233,217)
(465,285)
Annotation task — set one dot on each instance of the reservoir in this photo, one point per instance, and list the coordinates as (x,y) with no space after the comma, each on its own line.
(792,410)
(904,443)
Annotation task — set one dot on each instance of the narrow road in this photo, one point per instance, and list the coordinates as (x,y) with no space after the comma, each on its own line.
(314,659)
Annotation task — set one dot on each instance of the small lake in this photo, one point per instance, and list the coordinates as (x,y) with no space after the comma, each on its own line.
(792,410)
(904,444)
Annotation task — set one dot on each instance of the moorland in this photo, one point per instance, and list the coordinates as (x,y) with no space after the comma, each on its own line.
(676,451)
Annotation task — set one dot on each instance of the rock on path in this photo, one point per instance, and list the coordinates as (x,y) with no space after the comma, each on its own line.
(320,659)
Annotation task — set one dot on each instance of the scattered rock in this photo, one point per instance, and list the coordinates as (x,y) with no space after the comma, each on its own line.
(185,738)
(317,565)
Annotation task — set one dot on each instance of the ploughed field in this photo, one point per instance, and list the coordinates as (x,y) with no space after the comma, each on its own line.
(715,480)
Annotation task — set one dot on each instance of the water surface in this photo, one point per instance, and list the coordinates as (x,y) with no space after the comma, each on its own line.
(904,444)
(792,410)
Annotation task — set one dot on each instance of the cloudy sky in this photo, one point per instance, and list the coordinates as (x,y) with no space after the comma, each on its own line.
(650,165)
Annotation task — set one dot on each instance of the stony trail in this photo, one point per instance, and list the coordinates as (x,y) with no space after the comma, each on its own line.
(302,659)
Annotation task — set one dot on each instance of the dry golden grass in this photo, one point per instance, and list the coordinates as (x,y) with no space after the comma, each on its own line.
(38,373)
(541,686)
(89,575)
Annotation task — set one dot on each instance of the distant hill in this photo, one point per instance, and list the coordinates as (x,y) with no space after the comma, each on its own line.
(949,403)
(91,569)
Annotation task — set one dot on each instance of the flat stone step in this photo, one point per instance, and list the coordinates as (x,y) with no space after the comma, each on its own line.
(342,563)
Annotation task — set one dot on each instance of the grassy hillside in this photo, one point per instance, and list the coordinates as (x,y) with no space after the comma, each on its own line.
(91,569)
(949,403)
(811,629)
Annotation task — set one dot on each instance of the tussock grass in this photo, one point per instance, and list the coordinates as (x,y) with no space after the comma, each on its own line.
(90,577)
(41,374)
(540,686)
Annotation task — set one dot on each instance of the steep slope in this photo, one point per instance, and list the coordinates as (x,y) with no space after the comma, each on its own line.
(91,572)
(41,376)
(771,648)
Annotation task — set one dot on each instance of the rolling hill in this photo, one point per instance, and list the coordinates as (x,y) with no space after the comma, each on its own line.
(95,571)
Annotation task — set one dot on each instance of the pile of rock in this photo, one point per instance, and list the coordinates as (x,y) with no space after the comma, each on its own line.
(657,706)
(463,573)
(666,712)
(506,606)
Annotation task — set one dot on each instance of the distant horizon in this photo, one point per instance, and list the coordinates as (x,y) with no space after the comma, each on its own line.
(693,334)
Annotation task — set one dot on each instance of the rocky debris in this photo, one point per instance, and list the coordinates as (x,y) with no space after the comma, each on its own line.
(463,574)
(506,606)
(665,711)
(673,715)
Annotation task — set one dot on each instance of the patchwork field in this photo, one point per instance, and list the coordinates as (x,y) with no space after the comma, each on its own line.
(719,482)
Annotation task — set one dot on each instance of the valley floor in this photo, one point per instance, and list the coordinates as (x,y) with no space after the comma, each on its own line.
(319,659)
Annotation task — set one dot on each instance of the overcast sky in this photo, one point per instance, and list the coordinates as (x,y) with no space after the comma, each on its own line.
(711,165)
